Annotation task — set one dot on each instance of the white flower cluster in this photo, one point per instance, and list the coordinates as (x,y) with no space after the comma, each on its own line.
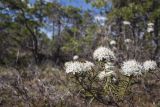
(112,42)
(104,74)
(127,40)
(126,22)
(77,67)
(149,65)
(87,66)
(73,67)
(151,24)
(75,57)
(103,53)
(150,27)
(131,67)
(128,68)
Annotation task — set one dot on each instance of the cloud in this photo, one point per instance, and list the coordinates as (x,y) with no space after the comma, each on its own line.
(49,0)
(100,19)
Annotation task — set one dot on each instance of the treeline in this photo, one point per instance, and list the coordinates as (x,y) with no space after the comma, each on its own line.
(24,28)
(74,31)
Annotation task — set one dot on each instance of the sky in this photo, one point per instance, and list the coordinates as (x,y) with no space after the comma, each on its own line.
(76,3)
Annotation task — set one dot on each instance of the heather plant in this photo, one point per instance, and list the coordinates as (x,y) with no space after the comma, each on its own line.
(103,80)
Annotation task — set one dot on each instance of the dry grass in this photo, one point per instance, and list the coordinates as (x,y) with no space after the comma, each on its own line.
(48,87)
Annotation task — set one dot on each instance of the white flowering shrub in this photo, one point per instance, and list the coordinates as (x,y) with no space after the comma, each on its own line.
(131,67)
(112,42)
(127,41)
(150,27)
(103,54)
(149,65)
(78,67)
(126,22)
(103,80)
(75,57)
